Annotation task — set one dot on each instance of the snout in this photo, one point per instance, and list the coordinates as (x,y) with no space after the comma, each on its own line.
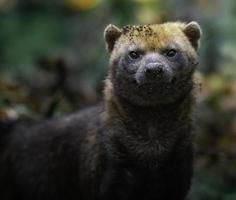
(154,70)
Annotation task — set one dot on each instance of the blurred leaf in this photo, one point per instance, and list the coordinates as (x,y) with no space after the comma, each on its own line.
(83,4)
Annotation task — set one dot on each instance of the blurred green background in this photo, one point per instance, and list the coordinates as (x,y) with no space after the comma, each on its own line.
(53,61)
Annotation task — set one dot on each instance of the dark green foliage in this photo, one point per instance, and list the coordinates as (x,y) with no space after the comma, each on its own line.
(35,34)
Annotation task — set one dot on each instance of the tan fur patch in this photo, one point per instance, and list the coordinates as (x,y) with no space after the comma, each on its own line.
(155,37)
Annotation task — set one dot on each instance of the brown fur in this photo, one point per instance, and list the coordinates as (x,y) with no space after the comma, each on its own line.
(137,144)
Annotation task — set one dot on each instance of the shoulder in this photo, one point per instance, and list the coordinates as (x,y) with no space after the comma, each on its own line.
(67,129)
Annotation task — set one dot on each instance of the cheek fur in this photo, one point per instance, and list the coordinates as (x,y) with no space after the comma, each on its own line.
(128,66)
(181,65)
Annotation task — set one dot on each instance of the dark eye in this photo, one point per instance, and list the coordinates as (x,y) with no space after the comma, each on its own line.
(171,53)
(134,55)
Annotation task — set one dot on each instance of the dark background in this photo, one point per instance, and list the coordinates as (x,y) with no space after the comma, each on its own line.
(53,61)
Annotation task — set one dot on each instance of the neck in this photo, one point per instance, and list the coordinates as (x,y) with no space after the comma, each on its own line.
(141,133)
(117,106)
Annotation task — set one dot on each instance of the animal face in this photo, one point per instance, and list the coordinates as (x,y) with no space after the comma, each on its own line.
(152,64)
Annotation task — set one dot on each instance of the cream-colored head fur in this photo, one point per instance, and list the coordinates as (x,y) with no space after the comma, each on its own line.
(154,36)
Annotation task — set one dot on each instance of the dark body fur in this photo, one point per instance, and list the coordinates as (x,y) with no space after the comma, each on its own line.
(68,159)
(118,150)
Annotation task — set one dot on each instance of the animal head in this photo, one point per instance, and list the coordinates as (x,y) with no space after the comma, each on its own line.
(151,64)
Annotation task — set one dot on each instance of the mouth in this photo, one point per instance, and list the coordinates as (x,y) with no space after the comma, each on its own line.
(173,80)
(153,87)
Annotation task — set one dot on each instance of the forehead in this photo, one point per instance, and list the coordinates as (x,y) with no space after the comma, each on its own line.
(154,36)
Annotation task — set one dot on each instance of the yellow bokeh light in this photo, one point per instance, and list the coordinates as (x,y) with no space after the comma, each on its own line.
(83,4)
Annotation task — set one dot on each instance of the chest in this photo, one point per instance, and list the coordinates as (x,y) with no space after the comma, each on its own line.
(150,139)
(137,185)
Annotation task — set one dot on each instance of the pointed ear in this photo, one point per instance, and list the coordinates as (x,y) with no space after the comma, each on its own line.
(193,31)
(111,34)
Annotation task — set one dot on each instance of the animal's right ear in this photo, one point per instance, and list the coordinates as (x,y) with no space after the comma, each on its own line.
(111,34)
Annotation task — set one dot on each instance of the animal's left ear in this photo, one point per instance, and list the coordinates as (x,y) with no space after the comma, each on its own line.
(193,31)
(111,34)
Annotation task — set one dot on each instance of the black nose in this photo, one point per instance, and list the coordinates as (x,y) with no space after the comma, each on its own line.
(154,70)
